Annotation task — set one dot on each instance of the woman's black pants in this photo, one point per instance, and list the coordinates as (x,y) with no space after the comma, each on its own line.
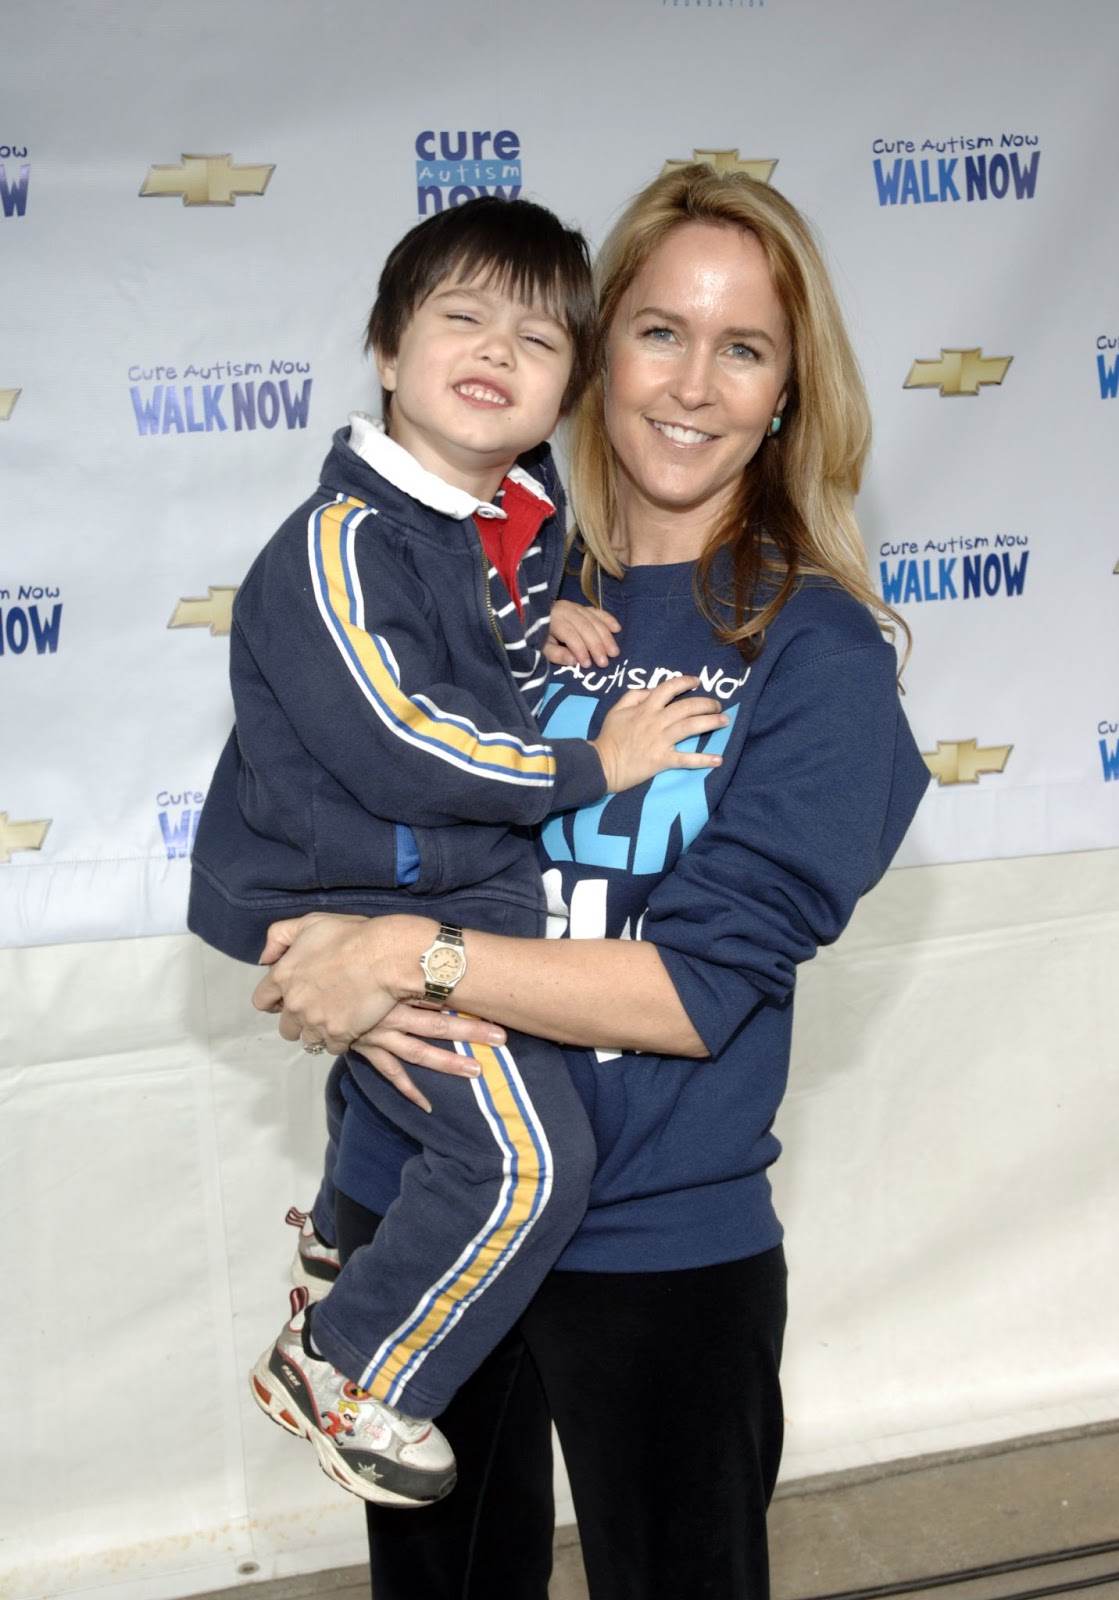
(665,1394)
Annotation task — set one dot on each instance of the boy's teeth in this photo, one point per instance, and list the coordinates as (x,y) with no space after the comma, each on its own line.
(682,435)
(478,391)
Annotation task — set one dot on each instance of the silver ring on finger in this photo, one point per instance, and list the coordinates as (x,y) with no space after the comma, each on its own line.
(315,1048)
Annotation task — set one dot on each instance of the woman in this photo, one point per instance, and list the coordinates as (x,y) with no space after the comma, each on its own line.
(714,466)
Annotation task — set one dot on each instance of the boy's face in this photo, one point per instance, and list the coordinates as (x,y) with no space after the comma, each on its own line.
(479,377)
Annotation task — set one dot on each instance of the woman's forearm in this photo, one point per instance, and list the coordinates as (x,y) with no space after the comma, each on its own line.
(611,993)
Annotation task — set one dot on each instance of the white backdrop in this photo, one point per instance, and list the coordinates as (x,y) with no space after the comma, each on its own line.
(950,1176)
(196,204)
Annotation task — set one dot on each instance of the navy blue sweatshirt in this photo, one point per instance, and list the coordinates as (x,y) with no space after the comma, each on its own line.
(737,875)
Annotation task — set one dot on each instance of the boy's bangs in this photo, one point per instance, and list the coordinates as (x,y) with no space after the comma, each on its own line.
(528,282)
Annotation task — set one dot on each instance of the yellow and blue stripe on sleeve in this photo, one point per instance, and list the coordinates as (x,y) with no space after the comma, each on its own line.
(414,718)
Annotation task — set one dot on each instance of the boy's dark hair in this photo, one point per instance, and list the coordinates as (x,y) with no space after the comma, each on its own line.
(519,247)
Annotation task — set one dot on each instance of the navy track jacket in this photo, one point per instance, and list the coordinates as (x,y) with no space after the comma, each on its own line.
(373,688)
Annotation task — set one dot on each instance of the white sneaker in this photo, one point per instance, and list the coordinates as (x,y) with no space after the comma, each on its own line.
(316,1264)
(369,1448)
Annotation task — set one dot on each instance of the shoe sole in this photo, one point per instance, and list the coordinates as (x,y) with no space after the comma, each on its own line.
(277,1406)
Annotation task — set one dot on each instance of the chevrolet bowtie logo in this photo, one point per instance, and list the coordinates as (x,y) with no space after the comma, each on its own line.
(20,835)
(725,161)
(958,372)
(215,612)
(8,398)
(964,761)
(206,180)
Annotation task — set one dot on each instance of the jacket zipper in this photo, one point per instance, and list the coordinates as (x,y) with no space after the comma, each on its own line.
(486,592)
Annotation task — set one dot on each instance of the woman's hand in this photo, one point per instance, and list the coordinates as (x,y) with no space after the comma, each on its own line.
(403,1035)
(326,979)
(578,635)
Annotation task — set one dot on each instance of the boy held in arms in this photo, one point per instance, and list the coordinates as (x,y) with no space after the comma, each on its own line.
(386,660)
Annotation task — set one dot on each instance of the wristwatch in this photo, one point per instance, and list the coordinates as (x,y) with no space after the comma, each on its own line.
(443,964)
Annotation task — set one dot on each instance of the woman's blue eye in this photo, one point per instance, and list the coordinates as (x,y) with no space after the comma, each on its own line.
(658,335)
(742,351)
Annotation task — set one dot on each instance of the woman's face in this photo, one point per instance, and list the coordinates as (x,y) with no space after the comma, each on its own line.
(698,358)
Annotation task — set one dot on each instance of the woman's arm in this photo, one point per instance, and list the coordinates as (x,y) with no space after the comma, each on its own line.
(335,978)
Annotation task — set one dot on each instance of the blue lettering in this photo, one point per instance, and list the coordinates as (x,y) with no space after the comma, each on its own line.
(425,145)
(20,624)
(593,847)
(46,633)
(909,188)
(15,630)
(178,838)
(296,407)
(972,565)
(676,796)
(892,582)
(172,411)
(194,424)
(1110,759)
(244,406)
(267,403)
(912,582)
(947,582)
(1109,378)
(148,411)
(975,176)
(569,720)
(1014,577)
(998,174)
(887,183)
(425,192)
(13,197)
(211,403)
(1025,178)
(944,171)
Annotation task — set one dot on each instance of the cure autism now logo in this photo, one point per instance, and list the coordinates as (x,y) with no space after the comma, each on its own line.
(225,396)
(959,568)
(964,167)
(452,168)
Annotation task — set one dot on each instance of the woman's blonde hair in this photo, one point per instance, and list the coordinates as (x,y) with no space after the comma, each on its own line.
(794,513)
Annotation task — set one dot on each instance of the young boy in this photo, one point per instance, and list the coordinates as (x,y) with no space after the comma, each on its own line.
(385,661)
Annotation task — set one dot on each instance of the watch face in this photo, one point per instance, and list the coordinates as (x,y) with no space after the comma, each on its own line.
(444,964)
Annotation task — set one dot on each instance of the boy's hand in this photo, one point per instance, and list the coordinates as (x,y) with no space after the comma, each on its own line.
(578,635)
(641,732)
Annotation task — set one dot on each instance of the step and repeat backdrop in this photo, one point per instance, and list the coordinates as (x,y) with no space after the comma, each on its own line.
(194,205)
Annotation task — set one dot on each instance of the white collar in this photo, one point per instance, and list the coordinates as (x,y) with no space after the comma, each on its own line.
(369,440)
